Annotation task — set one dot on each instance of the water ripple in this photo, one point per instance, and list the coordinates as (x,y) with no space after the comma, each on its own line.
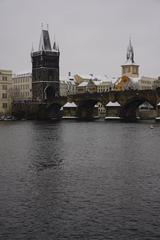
(77,180)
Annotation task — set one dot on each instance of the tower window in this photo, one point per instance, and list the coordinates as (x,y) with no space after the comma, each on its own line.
(135,70)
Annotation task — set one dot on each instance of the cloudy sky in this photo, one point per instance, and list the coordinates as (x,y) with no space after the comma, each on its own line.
(92,34)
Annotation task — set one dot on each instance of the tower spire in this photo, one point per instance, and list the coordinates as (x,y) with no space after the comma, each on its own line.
(44,43)
(130,68)
(54,45)
(130,52)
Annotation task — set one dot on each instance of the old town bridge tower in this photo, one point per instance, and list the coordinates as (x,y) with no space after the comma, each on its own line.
(45,69)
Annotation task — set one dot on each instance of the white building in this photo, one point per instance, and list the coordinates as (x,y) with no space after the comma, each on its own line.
(156,83)
(103,86)
(146,83)
(63,88)
(22,87)
(5,86)
(68,86)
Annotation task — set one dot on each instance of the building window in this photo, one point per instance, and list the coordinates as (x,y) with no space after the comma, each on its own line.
(4,87)
(4,105)
(135,70)
(4,78)
(4,95)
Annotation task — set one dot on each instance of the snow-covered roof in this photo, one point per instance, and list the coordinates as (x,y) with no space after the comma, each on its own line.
(135,79)
(148,78)
(23,72)
(91,77)
(83,84)
(98,83)
(96,106)
(114,79)
(67,81)
(86,76)
(70,104)
(113,104)
(146,105)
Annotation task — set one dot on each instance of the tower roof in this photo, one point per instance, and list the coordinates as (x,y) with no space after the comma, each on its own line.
(130,54)
(44,43)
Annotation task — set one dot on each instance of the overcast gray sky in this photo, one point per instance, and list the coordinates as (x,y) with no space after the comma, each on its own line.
(93,34)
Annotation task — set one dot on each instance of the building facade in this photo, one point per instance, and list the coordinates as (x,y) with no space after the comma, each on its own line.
(68,86)
(21,87)
(156,83)
(45,69)
(103,86)
(5,87)
(87,87)
(146,83)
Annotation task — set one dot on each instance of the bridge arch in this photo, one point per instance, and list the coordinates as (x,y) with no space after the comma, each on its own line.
(129,109)
(86,108)
(49,92)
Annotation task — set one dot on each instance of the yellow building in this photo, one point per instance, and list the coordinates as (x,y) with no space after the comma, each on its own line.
(123,83)
(5,86)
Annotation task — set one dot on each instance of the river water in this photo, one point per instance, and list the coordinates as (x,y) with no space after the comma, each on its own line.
(79,180)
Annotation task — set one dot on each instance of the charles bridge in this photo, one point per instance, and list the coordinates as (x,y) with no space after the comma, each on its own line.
(129,100)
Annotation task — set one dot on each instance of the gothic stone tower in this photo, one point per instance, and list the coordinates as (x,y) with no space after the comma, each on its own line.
(130,69)
(45,69)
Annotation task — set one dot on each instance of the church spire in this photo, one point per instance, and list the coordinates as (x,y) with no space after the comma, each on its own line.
(130,53)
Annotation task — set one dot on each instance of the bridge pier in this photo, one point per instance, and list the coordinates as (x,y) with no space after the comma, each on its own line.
(158,113)
(87,113)
(36,111)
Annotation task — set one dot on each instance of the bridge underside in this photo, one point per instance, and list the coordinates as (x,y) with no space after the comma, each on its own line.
(86,109)
(129,111)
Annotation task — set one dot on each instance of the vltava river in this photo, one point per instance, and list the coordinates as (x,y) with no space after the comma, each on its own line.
(79,180)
